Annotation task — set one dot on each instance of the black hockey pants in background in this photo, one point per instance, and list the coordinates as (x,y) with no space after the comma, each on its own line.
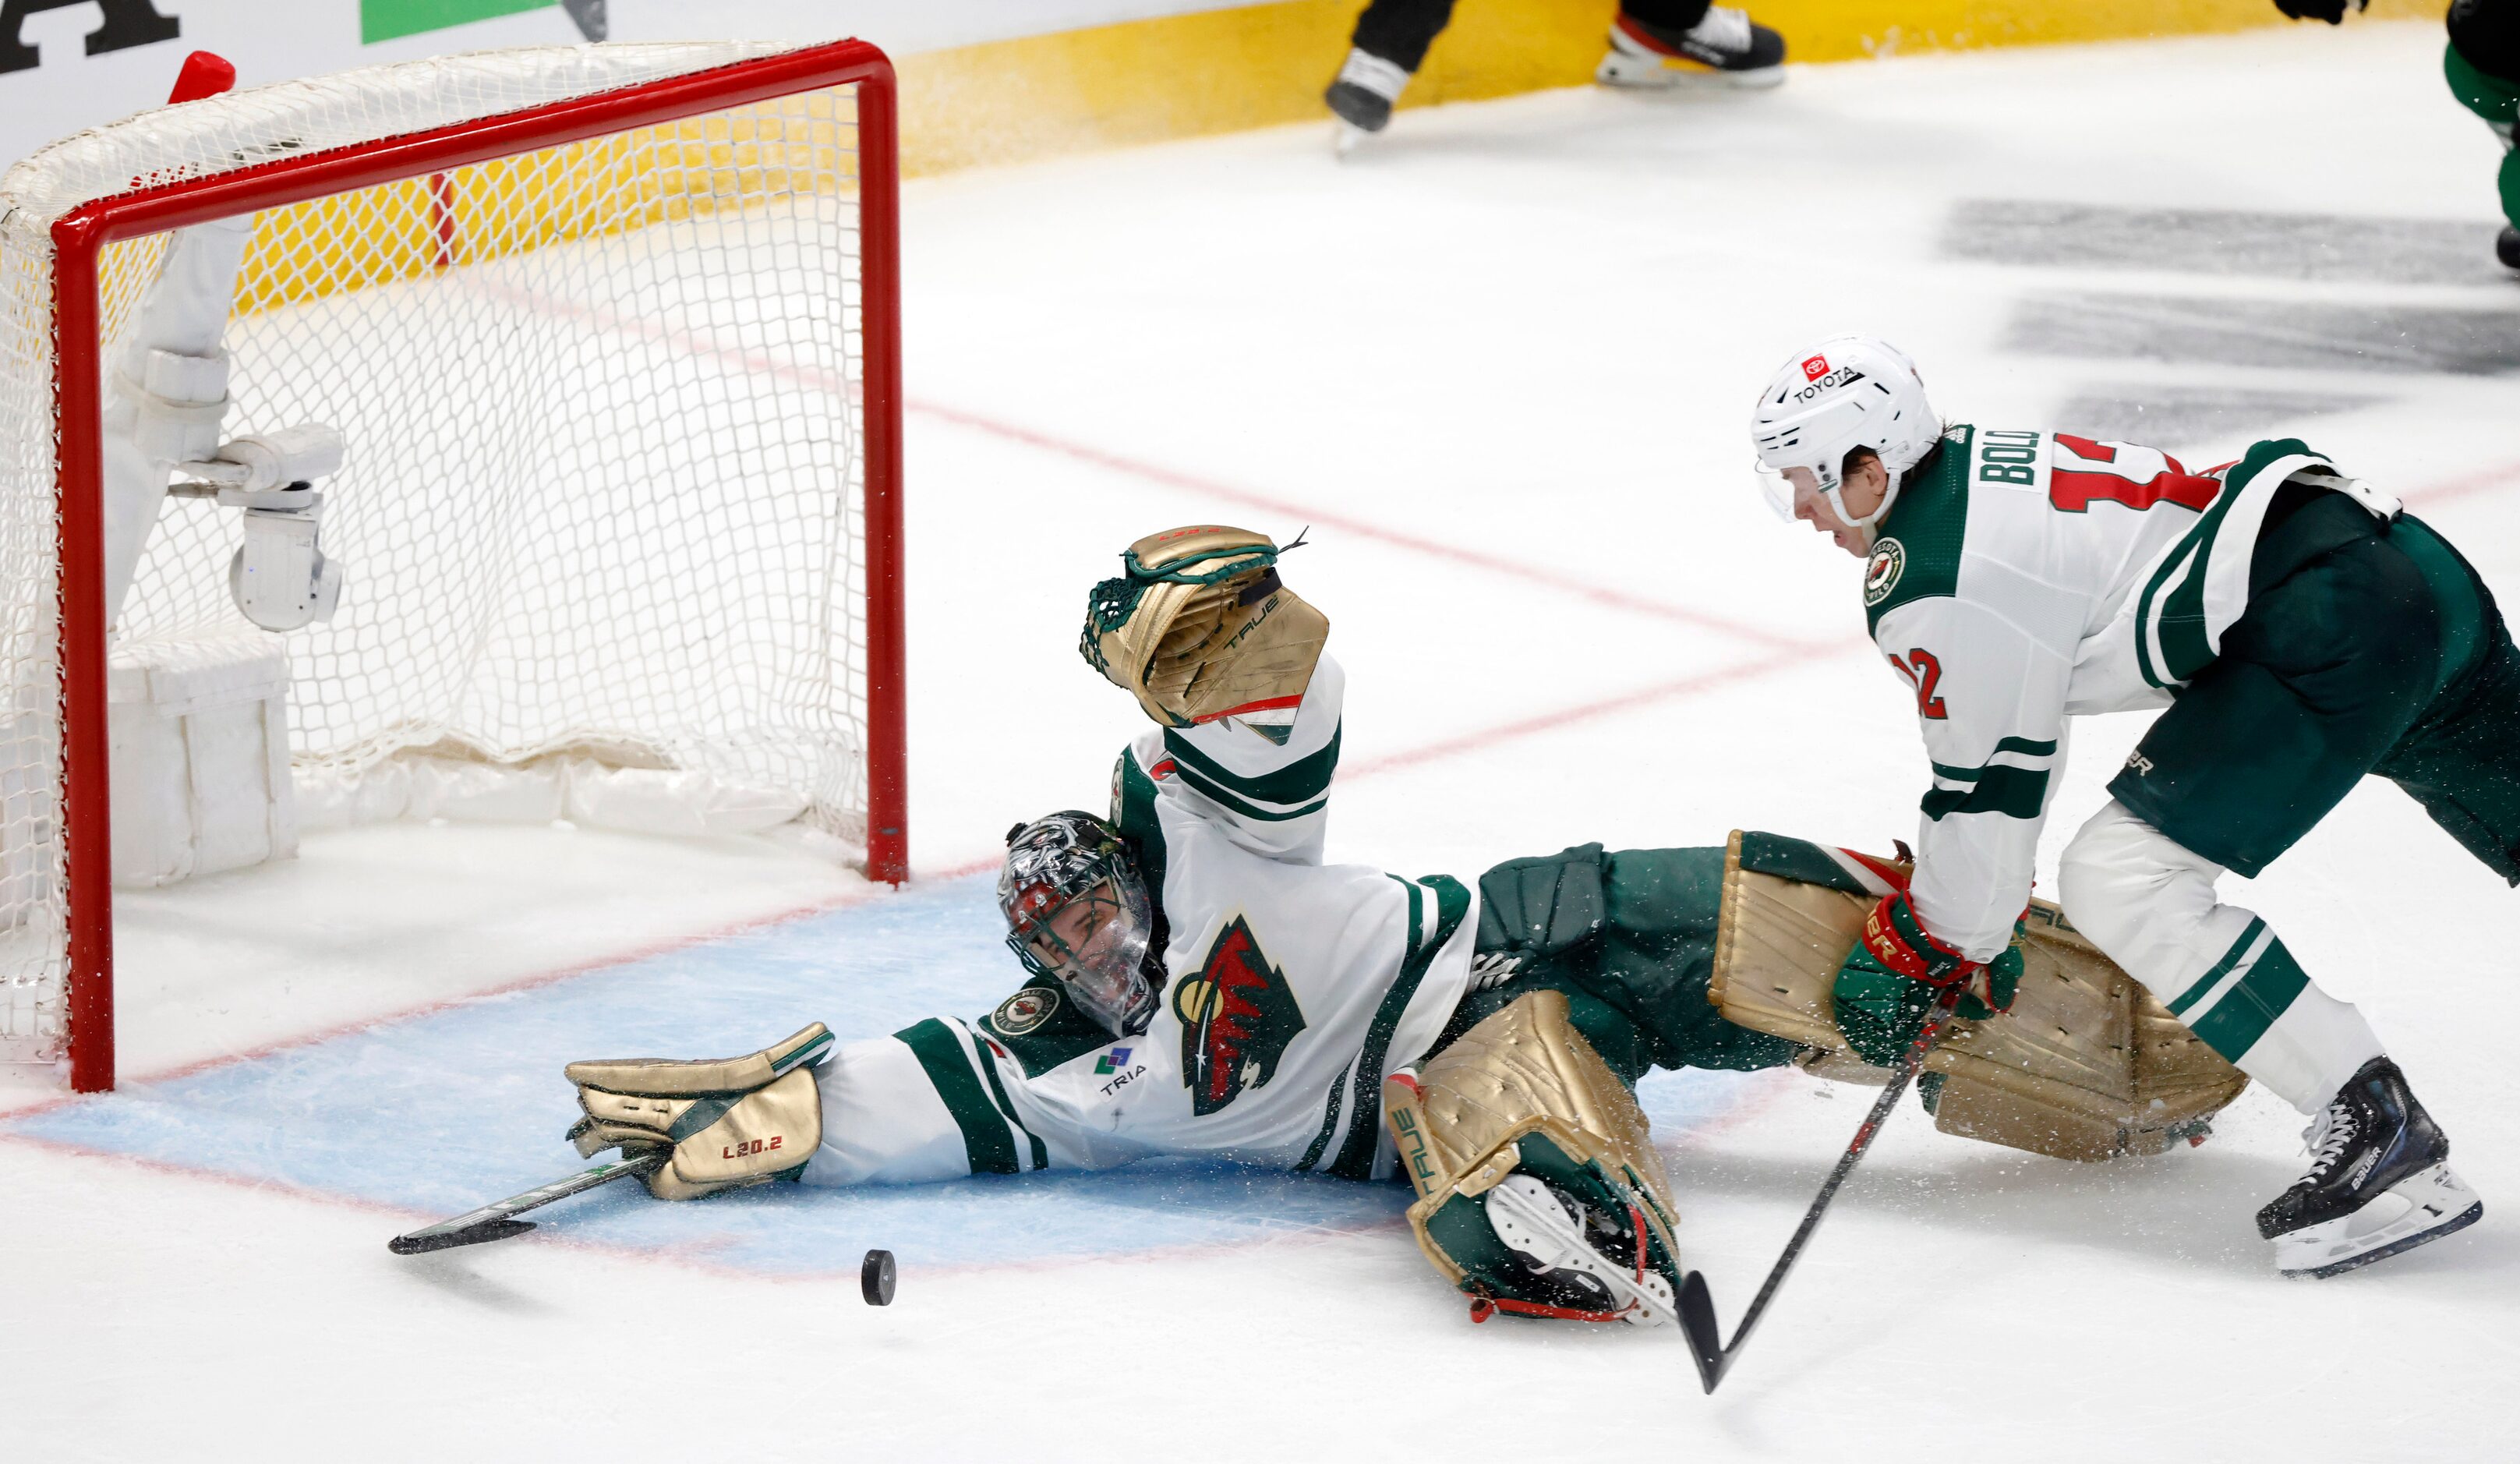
(1399,31)
(2366,648)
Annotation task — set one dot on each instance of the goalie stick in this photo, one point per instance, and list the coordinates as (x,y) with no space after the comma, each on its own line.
(491,1222)
(1713,1354)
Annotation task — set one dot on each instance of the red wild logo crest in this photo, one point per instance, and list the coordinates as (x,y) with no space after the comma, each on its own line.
(1815,368)
(1237,1015)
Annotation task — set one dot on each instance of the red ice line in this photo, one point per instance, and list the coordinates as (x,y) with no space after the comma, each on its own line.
(1797,653)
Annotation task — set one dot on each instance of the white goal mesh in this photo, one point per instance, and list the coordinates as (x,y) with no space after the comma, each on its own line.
(603,404)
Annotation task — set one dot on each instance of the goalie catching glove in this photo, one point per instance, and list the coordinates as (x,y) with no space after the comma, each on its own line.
(730,1122)
(1200,627)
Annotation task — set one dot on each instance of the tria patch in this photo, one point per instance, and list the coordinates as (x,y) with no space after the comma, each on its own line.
(1881,571)
(1025,1010)
(1110,1062)
(1237,1015)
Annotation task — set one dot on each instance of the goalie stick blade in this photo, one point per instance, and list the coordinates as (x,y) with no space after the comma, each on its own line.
(491,1222)
(1697,1324)
(439,1238)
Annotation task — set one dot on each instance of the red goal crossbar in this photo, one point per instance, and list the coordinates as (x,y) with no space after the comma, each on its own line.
(80,235)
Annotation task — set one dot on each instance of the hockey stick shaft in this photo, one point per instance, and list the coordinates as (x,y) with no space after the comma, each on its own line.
(1696,1306)
(494,1220)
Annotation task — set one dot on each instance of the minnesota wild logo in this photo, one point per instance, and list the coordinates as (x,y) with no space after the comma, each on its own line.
(1881,571)
(1236,1015)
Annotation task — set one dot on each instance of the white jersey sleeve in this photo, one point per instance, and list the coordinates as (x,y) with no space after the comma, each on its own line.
(1991,702)
(1267,797)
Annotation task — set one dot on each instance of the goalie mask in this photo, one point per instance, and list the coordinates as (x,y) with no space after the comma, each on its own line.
(1077,911)
(1846,392)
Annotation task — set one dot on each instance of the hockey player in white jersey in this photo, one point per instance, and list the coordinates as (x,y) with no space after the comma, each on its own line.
(1196,980)
(2301,630)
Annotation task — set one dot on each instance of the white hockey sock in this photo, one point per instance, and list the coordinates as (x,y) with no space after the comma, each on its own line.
(2149,904)
(1381,77)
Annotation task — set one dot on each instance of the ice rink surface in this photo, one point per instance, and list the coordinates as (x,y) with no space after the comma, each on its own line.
(1499,363)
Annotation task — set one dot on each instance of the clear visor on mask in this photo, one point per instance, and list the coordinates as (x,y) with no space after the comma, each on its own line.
(1096,946)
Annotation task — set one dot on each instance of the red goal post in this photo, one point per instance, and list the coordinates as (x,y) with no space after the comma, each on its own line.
(67,846)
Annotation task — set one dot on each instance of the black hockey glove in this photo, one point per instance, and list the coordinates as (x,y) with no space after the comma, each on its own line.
(2330,11)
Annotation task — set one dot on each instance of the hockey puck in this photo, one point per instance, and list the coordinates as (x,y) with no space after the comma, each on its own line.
(874,1278)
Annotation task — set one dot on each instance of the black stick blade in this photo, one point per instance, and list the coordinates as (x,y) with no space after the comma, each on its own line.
(437,1238)
(875,1278)
(1697,1324)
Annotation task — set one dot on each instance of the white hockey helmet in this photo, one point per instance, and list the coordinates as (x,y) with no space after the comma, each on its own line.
(1846,392)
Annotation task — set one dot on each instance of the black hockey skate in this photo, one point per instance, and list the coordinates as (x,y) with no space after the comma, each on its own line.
(2506,247)
(1727,46)
(2380,1181)
(1363,94)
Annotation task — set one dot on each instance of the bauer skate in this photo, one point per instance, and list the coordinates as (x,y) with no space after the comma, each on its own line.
(1562,1242)
(2380,1181)
(1727,47)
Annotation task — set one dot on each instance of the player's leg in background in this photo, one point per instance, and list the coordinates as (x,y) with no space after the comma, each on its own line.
(1390,42)
(2339,656)
(2462,760)
(1671,42)
(2483,66)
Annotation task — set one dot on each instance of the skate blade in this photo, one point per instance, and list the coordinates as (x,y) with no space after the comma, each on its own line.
(1343,141)
(1655,73)
(1539,1227)
(2429,1205)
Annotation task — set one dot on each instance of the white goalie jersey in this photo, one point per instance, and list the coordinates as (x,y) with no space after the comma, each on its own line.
(2024,577)
(1291,988)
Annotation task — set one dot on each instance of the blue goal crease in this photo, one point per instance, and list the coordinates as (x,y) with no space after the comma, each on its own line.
(374,1115)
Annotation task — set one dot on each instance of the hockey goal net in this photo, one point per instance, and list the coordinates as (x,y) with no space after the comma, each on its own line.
(609,333)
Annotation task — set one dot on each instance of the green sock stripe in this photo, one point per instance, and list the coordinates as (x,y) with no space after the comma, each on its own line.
(2248,1009)
(2179,1004)
(985,1140)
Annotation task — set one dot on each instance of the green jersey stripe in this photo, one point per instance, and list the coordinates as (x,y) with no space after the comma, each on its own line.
(2231,958)
(1321,1143)
(1247,809)
(1307,777)
(1452,903)
(1133,808)
(2021,744)
(2248,1009)
(2014,792)
(985,1140)
(996,1090)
